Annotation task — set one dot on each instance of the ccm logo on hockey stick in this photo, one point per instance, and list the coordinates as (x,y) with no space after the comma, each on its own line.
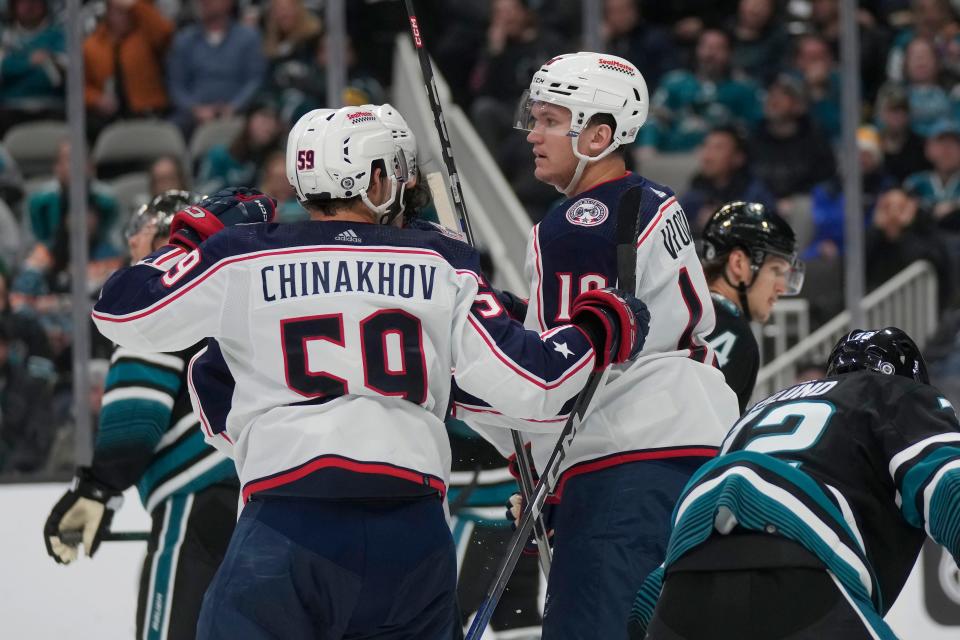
(415,28)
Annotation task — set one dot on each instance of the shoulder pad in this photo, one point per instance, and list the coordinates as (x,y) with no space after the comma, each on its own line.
(722,302)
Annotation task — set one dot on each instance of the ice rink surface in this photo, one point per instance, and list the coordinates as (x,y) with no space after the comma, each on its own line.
(97,599)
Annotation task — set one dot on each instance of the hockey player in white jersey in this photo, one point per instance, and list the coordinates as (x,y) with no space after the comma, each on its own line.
(341,334)
(657,419)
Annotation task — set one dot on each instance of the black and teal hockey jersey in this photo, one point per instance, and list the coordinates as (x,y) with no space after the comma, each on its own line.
(148,434)
(858,468)
(737,352)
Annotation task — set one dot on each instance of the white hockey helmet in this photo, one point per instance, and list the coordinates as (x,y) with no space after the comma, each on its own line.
(330,154)
(589,83)
(402,136)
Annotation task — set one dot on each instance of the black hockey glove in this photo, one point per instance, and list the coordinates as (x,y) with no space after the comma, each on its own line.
(514,510)
(87,507)
(225,208)
(615,322)
(514,305)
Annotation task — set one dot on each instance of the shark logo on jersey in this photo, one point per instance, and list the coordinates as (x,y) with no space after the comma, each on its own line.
(348,236)
(587,212)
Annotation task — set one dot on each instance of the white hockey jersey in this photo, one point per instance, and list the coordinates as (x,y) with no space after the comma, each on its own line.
(671,402)
(340,339)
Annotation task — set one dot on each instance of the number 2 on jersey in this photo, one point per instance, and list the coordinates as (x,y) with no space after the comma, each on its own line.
(385,332)
(768,435)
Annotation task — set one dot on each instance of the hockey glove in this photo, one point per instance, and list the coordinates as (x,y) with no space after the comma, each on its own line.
(514,305)
(88,507)
(225,208)
(515,509)
(615,322)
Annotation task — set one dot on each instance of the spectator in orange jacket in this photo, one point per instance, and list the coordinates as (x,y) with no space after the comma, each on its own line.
(123,62)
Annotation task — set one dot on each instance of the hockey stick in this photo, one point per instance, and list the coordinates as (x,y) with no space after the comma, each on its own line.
(446,150)
(534,507)
(524,464)
(74,537)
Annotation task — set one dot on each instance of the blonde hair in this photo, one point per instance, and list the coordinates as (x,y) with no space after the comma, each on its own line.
(307,25)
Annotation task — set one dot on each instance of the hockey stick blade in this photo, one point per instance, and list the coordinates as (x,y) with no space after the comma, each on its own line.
(74,537)
(534,507)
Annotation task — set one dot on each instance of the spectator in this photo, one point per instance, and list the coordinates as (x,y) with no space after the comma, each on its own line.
(903,152)
(166,174)
(123,63)
(825,22)
(215,66)
(291,31)
(26,420)
(935,21)
(687,105)
(939,188)
(759,40)
(647,46)
(26,337)
(274,183)
(901,234)
(32,64)
(724,176)
(48,206)
(515,49)
(828,200)
(301,82)
(239,163)
(688,19)
(789,152)
(929,103)
(813,61)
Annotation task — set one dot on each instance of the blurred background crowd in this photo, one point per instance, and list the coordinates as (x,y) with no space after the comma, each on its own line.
(745,104)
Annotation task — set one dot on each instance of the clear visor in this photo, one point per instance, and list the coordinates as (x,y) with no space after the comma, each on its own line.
(792,273)
(544,117)
(400,167)
(139,221)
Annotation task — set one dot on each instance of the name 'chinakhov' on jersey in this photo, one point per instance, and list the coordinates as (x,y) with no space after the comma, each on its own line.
(858,468)
(411,302)
(643,412)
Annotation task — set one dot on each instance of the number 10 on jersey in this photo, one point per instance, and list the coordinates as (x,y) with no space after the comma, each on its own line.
(391,355)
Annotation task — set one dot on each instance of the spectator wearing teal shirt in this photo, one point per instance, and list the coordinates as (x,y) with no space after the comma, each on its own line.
(814,63)
(47,207)
(32,63)
(939,188)
(929,103)
(688,104)
(240,162)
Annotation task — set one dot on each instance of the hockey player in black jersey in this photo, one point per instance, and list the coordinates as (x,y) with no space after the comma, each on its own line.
(750,260)
(148,435)
(813,516)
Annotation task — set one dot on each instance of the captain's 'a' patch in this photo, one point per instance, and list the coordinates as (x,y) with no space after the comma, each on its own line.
(587,212)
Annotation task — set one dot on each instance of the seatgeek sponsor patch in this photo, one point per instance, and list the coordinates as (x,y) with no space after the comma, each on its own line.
(587,212)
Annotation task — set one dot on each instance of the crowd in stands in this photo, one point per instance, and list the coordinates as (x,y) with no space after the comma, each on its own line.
(745,98)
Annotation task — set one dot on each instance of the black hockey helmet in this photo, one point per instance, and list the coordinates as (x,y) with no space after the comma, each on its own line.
(889,351)
(751,227)
(160,210)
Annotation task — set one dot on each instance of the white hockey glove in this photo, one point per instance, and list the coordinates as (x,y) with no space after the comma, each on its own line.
(87,507)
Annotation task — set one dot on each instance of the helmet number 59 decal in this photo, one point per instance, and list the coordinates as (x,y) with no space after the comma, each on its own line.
(305,159)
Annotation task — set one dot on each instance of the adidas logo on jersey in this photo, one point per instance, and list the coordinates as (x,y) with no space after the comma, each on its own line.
(348,236)
(662,194)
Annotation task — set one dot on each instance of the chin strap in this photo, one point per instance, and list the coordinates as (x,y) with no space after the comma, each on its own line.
(396,189)
(742,289)
(582,161)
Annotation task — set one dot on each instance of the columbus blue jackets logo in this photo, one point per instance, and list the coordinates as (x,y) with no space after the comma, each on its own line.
(587,212)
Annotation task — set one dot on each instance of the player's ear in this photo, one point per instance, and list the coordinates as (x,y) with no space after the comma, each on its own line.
(600,138)
(738,266)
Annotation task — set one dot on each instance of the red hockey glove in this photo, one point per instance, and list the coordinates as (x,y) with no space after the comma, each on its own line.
(225,208)
(615,322)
